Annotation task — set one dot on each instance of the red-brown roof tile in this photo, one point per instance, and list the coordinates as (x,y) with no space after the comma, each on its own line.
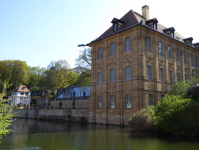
(129,19)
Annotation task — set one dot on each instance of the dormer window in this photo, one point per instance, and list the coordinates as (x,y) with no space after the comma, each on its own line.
(152,23)
(172,35)
(169,31)
(196,45)
(188,41)
(116,24)
(115,27)
(154,26)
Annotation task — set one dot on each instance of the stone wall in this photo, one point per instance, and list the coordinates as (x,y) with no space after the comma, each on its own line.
(79,103)
(74,115)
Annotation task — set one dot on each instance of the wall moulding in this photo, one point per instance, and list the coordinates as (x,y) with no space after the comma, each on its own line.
(112,65)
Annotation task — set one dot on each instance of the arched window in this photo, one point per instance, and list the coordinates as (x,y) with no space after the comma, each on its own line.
(192,60)
(169,51)
(185,57)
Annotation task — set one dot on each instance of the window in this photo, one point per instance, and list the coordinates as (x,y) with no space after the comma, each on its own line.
(99,102)
(161,74)
(112,75)
(169,51)
(112,102)
(186,78)
(196,61)
(128,101)
(170,77)
(177,55)
(148,44)
(154,26)
(179,79)
(160,48)
(149,73)
(112,49)
(99,78)
(127,44)
(150,99)
(172,35)
(185,58)
(100,53)
(192,60)
(115,27)
(128,73)
(22,93)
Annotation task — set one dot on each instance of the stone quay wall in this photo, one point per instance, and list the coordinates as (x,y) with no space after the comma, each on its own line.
(73,115)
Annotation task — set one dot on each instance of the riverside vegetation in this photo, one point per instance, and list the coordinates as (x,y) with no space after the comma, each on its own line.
(177,113)
(7,112)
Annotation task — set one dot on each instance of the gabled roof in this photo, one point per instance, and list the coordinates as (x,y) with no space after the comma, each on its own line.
(21,88)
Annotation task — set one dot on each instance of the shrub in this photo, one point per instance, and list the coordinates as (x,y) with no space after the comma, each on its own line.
(170,115)
(143,120)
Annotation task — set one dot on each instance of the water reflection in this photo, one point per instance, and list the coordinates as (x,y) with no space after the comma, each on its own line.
(41,134)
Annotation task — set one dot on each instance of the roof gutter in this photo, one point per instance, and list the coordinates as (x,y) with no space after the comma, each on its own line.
(113,34)
(135,26)
(170,37)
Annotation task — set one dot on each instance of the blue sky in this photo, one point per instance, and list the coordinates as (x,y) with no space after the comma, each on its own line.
(38,31)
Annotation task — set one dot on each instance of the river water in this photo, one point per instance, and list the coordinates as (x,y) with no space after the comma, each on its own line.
(30,134)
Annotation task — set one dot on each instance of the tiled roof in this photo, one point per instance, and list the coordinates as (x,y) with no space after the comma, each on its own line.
(129,19)
(132,18)
(21,88)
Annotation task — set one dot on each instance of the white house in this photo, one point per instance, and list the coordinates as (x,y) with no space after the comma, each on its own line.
(21,95)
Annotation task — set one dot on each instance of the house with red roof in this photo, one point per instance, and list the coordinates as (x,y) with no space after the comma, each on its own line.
(21,96)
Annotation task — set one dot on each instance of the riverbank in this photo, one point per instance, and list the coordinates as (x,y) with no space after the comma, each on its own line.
(71,115)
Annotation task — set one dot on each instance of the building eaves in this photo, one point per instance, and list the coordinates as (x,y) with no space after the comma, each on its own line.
(113,34)
(170,37)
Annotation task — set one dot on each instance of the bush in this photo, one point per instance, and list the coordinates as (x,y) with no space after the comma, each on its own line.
(143,120)
(170,115)
(177,113)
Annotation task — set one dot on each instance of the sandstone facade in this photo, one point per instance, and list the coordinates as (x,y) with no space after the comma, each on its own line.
(142,91)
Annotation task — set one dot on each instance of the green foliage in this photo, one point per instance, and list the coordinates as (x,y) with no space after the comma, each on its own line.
(193,93)
(143,120)
(7,113)
(169,115)
(18,70)
(35,75)
(177,113)
(57,76)
(84,79)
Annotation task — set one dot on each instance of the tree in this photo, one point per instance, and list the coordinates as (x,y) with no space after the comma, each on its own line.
(7,112)
(84,62)
(35,75)
(56,76)
(18,70)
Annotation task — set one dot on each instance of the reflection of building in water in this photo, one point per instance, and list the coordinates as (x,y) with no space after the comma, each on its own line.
(20,134)
(80,92)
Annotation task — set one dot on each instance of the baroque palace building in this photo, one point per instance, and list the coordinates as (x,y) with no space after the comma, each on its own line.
(134,63)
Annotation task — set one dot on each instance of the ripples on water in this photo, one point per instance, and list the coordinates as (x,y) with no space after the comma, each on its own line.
(50,135)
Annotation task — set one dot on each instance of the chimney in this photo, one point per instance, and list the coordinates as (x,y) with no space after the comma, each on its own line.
(145,12)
